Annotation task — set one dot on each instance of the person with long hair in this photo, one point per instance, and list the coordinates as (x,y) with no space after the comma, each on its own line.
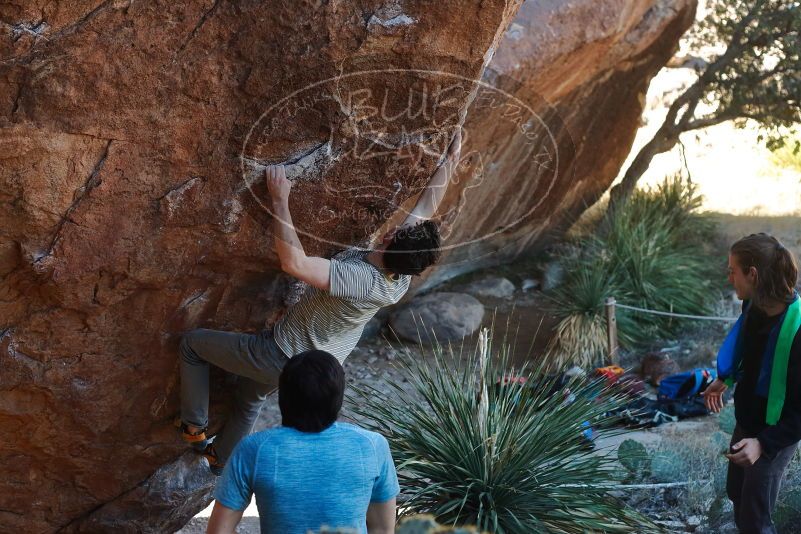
(762,355)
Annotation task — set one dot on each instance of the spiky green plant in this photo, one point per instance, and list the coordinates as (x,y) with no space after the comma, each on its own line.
(653,252)
(506,456)
(580,336)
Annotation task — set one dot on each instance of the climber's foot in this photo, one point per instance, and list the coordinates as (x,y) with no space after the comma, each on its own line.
(215,465)
(197,437)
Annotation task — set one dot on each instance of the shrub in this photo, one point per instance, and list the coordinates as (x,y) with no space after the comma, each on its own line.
(653,252)
(633,456)
(726,421)
(695,464)
(505,455)
(697,460)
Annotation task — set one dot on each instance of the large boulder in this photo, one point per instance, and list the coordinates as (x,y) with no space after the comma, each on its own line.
(553,121)
(133,135)
(494,287)
(437,317)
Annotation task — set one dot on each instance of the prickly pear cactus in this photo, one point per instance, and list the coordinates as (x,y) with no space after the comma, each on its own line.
(633,456)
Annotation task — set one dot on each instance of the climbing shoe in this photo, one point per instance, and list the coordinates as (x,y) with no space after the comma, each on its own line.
(215,465)
(199,440)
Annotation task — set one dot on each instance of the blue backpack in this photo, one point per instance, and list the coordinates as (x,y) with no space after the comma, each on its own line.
(685,385)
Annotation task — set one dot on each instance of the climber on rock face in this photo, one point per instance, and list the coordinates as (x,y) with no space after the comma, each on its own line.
(345,293)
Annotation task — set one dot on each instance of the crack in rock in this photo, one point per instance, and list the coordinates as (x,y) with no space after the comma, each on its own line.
(172,199)
(17,98)
(39,29)
(91,182)
(196,296)
(180,189)
(193,306)
(176,490)
(203,18)
(77,25)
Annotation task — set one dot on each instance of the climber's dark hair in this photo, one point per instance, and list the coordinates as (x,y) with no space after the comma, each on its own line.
(776,268)
(310,391)
(413,248)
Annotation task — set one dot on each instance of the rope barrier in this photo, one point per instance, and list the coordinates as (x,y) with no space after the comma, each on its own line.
(638,486)
(678,315)
(611,305)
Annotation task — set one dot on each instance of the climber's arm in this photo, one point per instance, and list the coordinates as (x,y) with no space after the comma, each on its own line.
(223,520)
(431,197)
(294,261)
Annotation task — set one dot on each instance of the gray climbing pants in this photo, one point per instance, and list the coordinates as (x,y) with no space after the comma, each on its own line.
(754,489)
(257,361)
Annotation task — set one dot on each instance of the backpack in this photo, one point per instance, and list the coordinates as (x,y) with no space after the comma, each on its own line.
(684,408)
(682,386)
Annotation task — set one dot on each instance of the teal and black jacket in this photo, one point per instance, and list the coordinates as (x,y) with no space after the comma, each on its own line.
(762,355)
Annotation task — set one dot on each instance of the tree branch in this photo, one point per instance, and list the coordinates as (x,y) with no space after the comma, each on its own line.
(706,122)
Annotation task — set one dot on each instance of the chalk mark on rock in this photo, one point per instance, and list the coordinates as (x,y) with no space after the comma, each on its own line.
(305,166)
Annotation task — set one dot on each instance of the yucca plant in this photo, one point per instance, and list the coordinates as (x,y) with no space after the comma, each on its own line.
(580,336)
(653,252)
(473,446)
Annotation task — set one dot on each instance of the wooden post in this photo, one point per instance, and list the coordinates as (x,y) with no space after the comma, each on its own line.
(611,331)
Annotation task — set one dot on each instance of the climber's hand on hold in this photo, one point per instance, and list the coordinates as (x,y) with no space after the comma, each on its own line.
(277,183)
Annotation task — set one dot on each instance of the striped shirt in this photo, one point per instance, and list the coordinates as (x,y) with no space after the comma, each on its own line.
(333,320)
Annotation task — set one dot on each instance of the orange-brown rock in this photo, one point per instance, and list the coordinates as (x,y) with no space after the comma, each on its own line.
(131,139)
(130,136)
(553,122)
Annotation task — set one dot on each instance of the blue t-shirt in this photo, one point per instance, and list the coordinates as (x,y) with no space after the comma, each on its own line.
(304,481)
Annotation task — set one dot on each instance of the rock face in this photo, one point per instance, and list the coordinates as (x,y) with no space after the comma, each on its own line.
(179,486)
(495,287)
(568,87)
(133,134)
(449,316)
